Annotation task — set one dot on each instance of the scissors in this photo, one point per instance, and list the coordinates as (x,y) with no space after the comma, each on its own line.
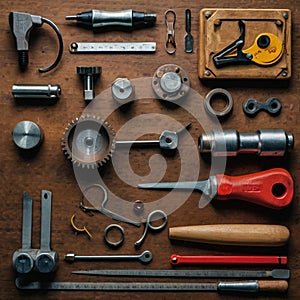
(272,188)
(154,215)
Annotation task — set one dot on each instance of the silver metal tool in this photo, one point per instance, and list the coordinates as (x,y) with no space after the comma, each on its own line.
(223,94)
(101,20)
(188,39)
(89,75)
(168,140)
(154,215)
(263,142)
(122,90)
(23,259)
(26,259)
(171,83)
(145,257)
(102,207)
(112,47)
(170,19)
(46,259)
(275,274)
(37,91)
(273,286)
(251,107)
(27,135)
(21,25)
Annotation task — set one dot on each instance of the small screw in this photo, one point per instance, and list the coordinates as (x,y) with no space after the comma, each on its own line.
(249,56)
(279,23)
(207,73)
(208,15)
(218,22)
(286,15)
(88,74)
(284,73)
(74,45)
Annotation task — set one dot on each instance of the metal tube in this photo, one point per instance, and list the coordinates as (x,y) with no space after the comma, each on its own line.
(263,142)
(36,91)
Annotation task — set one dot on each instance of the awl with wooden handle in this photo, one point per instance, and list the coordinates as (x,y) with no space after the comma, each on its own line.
(233,234)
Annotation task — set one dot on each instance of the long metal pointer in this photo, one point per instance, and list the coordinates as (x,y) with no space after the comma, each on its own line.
(275,274)
(273,188)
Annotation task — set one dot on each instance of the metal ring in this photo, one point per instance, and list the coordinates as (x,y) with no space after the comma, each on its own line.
(228,108)
(108,229)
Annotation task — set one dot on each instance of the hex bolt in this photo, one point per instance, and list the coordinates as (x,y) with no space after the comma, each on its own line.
(89,75)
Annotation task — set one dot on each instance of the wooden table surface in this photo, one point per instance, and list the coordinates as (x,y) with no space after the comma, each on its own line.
(50,170)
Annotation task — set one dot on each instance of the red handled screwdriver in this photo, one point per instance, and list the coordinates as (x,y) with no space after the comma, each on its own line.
(272,188)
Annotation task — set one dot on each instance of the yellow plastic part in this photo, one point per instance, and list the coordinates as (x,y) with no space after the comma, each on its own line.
(84,229)
(266,56)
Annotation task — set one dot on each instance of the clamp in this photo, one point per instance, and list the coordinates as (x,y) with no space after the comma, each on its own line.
(21,24)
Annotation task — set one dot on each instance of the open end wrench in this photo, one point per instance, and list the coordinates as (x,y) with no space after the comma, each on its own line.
(145,257)
(168,140)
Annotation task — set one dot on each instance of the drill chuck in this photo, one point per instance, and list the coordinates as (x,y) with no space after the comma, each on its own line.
(263,142)
(98,20)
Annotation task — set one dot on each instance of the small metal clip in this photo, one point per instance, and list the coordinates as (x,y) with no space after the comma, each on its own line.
(170,18)
(84,229)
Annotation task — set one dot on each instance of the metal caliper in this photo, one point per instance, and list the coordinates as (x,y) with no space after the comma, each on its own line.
(27,259)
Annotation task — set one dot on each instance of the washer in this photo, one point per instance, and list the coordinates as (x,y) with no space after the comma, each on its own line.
(108,229)
(228,108)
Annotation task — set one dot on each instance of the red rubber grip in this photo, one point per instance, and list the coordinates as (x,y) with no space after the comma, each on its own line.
(273,188)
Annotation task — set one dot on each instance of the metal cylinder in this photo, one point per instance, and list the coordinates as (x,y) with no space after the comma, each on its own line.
(263,142)
(27,135)
(122,90)
(36,91)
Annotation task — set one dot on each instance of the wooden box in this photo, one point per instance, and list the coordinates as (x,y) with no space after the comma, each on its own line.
(219,28)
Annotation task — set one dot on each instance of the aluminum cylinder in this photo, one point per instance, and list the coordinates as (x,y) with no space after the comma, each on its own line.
(263,142)
(36,91)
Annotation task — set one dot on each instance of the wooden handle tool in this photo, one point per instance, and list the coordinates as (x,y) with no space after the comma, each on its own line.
(233,234)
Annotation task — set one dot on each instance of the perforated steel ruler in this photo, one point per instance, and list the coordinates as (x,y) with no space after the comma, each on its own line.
(118,47)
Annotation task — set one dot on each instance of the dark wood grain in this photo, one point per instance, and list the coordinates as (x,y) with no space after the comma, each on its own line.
(49,169)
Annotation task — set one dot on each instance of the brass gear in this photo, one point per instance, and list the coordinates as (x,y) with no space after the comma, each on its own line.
(88,142)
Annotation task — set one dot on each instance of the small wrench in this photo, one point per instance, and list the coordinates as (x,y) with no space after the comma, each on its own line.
(144,258)
(168,140)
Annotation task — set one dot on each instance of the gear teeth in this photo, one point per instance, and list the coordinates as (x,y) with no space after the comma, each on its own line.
(104,157)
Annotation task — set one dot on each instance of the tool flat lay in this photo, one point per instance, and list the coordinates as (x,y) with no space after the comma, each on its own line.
(149,149)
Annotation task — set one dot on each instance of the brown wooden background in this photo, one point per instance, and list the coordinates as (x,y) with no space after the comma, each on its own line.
(50,170)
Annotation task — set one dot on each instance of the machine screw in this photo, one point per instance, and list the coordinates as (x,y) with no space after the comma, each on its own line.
(88,74)
(286,15)
(284,73)
(249,56)
(207,73)
(208,15)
